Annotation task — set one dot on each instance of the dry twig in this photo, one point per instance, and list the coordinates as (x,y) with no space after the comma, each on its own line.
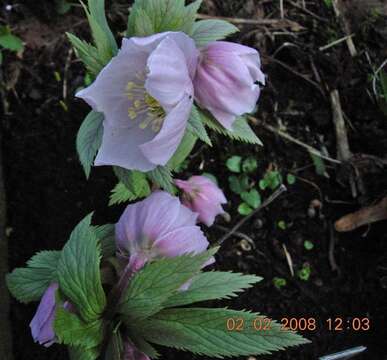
(364,216)
(305,10)
(346,27)
(259,22)
(295,72)
(288,259)
(343,151)
(266,203)
(286,136)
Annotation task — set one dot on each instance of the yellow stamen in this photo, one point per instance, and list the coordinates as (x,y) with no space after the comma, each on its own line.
(144,103)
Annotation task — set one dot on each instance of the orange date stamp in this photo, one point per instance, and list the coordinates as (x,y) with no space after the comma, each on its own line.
(299,324)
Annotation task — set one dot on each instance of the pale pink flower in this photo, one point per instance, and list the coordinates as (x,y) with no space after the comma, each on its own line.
(146,96)
(202,196)
(159,226)
(226,80)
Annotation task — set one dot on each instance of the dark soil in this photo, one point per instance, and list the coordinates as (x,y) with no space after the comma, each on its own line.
(48,194)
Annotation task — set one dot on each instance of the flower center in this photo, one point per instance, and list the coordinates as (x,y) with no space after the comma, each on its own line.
(143,103)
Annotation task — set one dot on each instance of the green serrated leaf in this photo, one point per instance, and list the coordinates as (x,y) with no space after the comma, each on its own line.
(81,353)
(115,347)
(162,176)
(71,330)
(135,181)
(184,149)
(156,282)
(87,53)
(206,31)
(97,11)
(121,194)
(89,139)
(155,16)
(143,24)
(102,36)
(195,125)
(79,273)
(213,285)
(189,17)
(207,332)
(142,345)
(241,130)
(106,236)
(29,283)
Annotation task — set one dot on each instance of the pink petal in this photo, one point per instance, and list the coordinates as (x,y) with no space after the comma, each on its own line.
(108,94)
(168,80)
(121,147)
(184,240)
(207,210)
(42,323)
(129,229)
(160,212)
(217,90)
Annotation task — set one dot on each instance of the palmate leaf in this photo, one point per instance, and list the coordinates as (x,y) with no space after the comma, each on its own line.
(206,31)
(87,53)
(195,125)
(162,177)
(79,274)
(156,282)
(106,236)
(204,331)
(115,347)
(121,194)
(135,181)
(148,17)
(189,17)
(212,285)
(29,283)
(142,345)
(102,35)
(71,330)
(81,353)
(241,130)
(89,139)
(97,12)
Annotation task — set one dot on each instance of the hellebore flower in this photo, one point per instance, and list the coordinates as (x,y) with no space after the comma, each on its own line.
(202,196)
(146,96)
(159,226)
(225,81)
(42,323)
(132,353)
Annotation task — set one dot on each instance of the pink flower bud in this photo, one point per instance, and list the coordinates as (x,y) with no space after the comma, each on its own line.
(202,196)
(226,80)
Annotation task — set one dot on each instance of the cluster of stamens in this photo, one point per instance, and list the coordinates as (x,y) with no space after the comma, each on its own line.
(143,103)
